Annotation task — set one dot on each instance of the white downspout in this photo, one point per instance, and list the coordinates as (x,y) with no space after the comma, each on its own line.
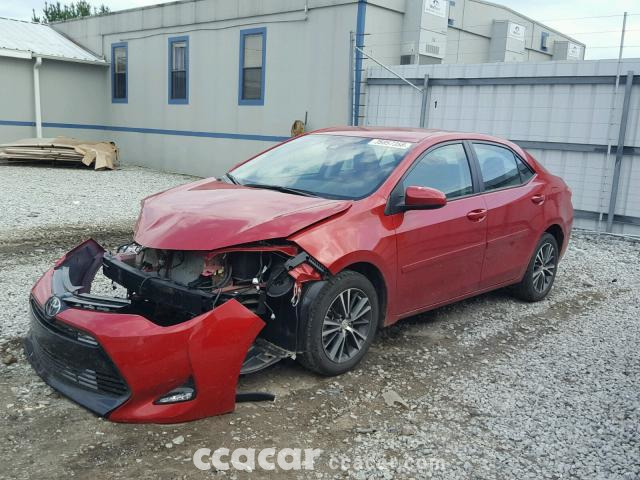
(36,95)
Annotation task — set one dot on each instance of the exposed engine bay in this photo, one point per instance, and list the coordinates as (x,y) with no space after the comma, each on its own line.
(169,287)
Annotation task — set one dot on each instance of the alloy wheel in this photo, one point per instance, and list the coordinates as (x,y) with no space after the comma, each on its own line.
(544,267)
(347,324)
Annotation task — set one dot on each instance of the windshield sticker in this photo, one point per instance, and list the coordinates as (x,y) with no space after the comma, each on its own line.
(390,143)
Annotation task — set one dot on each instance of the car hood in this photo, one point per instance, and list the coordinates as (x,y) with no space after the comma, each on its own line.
(210,214)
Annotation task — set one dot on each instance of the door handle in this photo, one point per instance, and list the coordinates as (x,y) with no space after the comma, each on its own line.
(477,215)
(538,199)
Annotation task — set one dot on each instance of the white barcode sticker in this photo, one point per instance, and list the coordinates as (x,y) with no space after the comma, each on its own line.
(380,142)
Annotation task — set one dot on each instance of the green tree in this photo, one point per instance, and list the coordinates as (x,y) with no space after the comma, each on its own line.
(54,12)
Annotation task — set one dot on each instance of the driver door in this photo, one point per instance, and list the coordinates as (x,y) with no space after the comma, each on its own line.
(441,251)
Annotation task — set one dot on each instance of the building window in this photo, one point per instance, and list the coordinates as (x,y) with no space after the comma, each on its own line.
(543,41)
(179,70)
(119,72)
(450,22)
(252,66)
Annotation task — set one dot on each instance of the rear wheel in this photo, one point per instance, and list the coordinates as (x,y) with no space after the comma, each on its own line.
(541,271)
(341,324)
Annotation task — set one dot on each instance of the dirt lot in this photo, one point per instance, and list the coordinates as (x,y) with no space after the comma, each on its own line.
(490,387)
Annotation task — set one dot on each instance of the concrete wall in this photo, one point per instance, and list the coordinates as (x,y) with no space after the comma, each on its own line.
(567,125)
(466,47)
(383,28)
(16,77)
(73,93)
(70,93)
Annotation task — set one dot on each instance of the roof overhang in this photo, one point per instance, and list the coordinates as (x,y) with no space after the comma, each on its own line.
(27,55)
(7,52)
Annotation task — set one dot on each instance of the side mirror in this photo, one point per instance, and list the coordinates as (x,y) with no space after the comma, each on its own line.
(423,198)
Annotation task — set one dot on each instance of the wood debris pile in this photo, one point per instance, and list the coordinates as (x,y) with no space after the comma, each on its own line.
(102,155)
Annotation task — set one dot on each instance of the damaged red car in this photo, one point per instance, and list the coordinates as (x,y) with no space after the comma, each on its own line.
(304,251)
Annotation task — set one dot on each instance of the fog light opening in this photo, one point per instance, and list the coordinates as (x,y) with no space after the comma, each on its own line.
(183,393)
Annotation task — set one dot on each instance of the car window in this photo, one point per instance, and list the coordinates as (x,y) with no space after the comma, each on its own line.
(525,171)
(498,166)
(445,168)
(330,166)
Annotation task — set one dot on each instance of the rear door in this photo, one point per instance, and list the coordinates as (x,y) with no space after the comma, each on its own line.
(440,251)
(514,199)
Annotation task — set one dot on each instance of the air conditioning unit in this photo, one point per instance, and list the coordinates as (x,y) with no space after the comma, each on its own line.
(431,49)
(507,41)
(566,50)
(425,30)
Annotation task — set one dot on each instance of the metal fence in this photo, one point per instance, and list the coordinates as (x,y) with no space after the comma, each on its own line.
(579,119)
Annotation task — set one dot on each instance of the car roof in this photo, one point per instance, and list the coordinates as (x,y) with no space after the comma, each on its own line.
(413,135)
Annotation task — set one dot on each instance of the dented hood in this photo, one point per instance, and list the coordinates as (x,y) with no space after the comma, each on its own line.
(209,214)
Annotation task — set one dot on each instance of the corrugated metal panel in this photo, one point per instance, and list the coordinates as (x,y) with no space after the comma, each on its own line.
(566,111)
(552,113)
(628,202)
(41,40)
(511,69)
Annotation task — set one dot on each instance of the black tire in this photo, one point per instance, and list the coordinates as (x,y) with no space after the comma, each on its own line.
(320,320)
(539,277)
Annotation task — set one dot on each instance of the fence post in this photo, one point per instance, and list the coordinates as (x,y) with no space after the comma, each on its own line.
(424,110)
(619,151)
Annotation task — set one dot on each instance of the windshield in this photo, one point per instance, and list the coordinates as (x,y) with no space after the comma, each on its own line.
(329,166)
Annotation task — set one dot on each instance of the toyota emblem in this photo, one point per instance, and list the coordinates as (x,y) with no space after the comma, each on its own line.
(52,307)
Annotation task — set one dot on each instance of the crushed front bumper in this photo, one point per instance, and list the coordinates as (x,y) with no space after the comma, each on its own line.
(119,364)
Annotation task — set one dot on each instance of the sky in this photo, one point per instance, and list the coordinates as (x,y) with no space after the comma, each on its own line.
(597,23)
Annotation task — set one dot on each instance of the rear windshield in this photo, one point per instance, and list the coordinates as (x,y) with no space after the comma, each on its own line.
(330,166)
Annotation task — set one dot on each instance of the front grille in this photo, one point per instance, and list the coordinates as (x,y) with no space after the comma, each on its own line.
(86,377)
(74,356)
(58,327)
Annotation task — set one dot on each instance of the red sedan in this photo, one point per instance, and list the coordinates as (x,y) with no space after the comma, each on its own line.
(303,251)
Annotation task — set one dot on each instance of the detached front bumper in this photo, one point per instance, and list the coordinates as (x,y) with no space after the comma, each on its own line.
(119,364)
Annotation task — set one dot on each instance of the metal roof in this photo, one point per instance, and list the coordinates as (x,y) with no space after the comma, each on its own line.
(20,39)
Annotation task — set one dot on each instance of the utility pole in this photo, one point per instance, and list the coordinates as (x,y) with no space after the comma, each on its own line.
(624,28)
(613,102)
(621,132)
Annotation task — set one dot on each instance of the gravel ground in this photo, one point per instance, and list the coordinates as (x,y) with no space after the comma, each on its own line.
(488,388)
(64,199)
(47,210)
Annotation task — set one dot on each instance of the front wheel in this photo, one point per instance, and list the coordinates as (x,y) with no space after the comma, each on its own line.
(341,324)
(541,271)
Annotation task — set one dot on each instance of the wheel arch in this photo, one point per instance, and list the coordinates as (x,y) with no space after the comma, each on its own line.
(558,233)
(375,276)
(554,228)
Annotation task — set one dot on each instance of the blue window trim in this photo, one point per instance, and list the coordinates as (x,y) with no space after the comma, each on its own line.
(113,73)
(172,40)
(152,131)
(243,33)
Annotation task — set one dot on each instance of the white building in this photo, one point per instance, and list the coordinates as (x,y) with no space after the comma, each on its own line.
(195,86)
